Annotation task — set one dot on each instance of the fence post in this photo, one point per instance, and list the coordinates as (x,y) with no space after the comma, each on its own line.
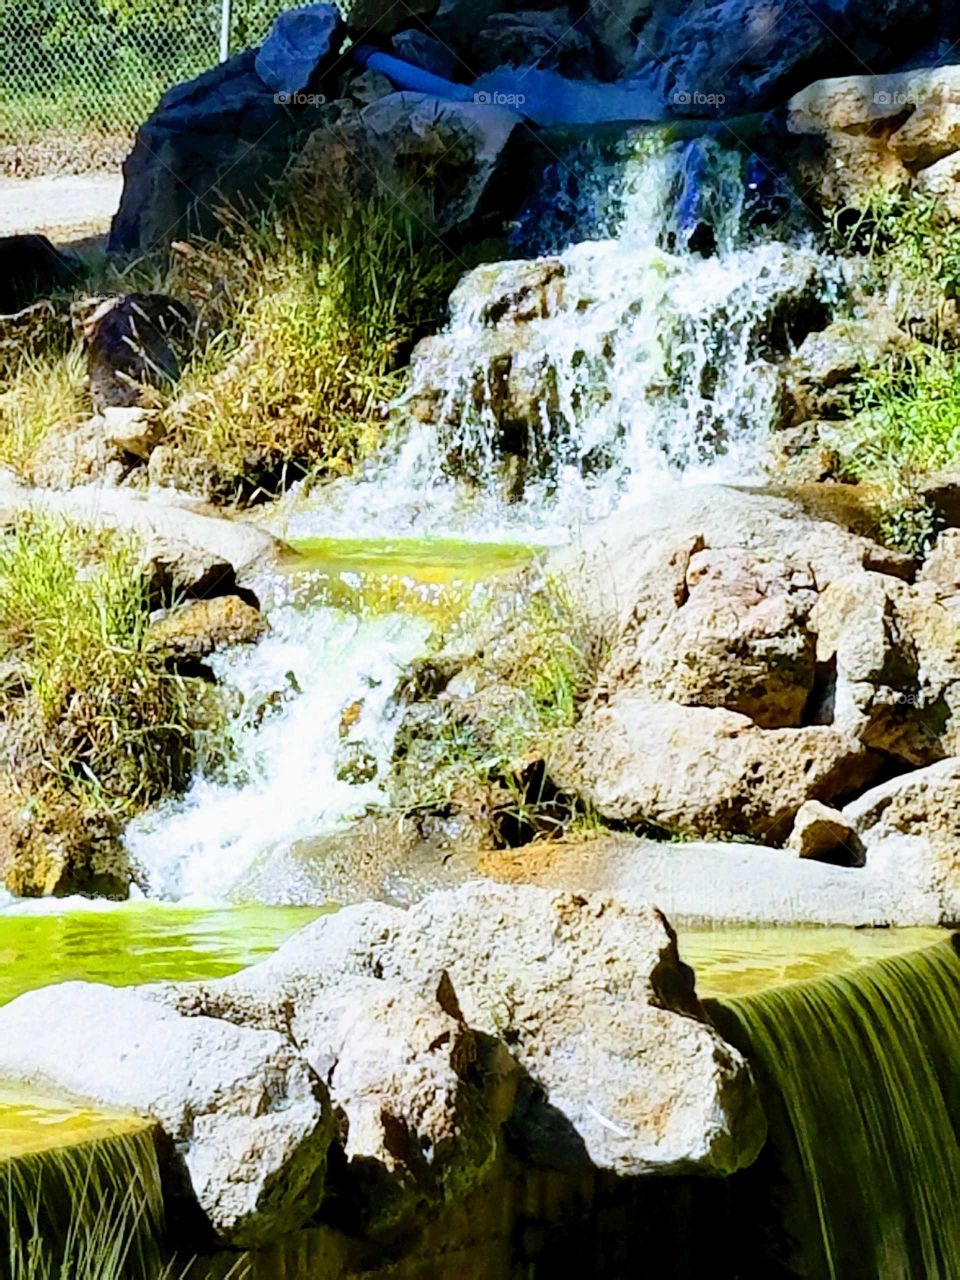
(226,23)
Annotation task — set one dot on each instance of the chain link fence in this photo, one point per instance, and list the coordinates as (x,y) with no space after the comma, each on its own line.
(78,76)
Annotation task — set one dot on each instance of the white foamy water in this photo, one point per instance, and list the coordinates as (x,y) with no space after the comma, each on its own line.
(638,365)
(282,784)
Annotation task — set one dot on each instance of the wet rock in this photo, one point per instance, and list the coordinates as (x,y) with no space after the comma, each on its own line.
(300,45)
(825,835)
(705,772)
(198,629)
(616,26)
(249,1122)
(136,341)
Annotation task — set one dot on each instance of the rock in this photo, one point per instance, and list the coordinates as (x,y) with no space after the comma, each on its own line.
(942,565)
(828,362)
(881,131)
(587,993)
(51,847)
(538,344)
(381,17)
(423,50)
(177,571)
(895,652)
(749,55)
(434,156)
(222,133)
(136,341)
(247,1118)
(105,448)
(616,25)
(301,44)
(196,630)
(825,835)
(30,268)
(736,636)
(941,182)
(589,996)
(551,39)
(694,771)
(133,431)
(424,1098)
(913,821)
(147,517)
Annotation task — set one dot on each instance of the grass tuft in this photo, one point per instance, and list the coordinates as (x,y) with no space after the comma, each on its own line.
(87,699)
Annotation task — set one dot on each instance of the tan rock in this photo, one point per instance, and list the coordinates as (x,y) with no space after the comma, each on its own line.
(825,835)
(942,182)
(198,629)
(896,652)
(737,637)
(693,771)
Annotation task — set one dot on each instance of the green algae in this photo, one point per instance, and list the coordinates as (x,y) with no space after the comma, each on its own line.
(429,577)
(138,942)
(860,1077)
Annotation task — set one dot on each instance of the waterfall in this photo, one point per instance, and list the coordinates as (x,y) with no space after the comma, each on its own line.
(860,1076)
(89,1208)
(636,345)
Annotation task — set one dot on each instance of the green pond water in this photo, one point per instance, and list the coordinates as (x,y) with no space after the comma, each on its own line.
(432,577)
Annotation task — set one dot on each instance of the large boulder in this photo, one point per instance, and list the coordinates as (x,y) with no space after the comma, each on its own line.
(32,267)
(249,1122)
(220,138)
(382,17)
(695,771)
(618,1068)
(743,56)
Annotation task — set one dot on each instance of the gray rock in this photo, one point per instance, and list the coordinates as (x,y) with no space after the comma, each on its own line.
(423,50)
(247,1118)
(550,39)
(300,46)
(381,17)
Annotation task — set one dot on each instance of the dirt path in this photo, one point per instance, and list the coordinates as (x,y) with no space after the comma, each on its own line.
(66,209)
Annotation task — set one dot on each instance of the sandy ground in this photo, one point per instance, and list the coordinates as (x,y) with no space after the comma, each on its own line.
(68,208)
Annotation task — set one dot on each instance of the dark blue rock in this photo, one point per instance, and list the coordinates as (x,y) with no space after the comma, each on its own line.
(301,45)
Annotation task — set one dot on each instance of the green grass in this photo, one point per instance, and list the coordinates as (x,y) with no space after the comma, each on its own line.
(310,329)
(905,235)
(536,665)
(90,701)
(44,392)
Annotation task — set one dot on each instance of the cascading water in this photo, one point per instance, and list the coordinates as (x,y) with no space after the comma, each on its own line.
(563,386)
(860,1077)
(638,351)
